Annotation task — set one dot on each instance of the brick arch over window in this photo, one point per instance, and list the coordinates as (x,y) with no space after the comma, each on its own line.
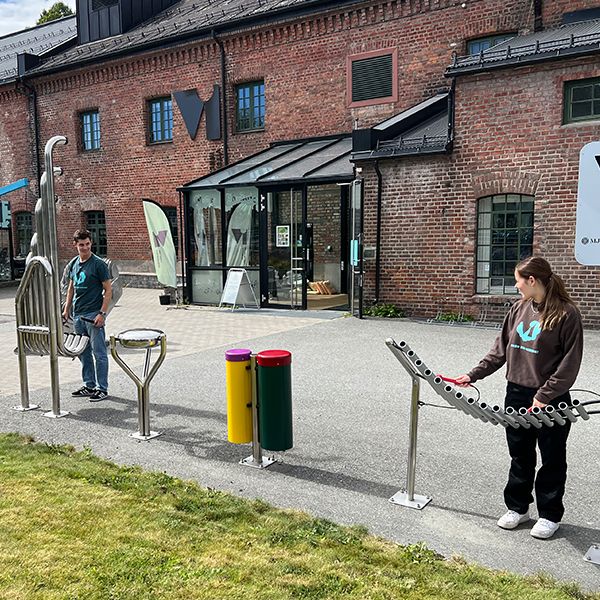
(505,182)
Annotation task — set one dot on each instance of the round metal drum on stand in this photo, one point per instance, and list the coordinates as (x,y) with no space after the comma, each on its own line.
(144,339)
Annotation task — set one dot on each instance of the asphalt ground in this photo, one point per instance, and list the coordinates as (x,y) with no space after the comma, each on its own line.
(351,416)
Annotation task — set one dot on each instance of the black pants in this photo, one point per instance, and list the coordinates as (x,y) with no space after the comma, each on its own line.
(552,475)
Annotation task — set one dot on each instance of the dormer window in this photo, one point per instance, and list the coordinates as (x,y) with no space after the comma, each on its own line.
(100,4)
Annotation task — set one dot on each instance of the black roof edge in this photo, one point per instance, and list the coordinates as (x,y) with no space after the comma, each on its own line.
(367,139)
(203,33)
(418,151)
(559,54)
(319,138)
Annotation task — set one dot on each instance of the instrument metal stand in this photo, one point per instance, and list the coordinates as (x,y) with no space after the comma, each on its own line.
(593,554)
(256,460)
(146,339)
(407,497)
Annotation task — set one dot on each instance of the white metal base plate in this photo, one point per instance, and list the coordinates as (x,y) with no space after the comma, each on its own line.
(25,408)
(250,462)
(138,436)
(53,415)
(418,502)
(593,554)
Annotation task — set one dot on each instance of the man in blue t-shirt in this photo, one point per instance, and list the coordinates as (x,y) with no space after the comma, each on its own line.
(89,293)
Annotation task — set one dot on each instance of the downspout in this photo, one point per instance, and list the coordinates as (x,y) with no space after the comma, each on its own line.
(32,94)
(451,115)
(538,10)
(378,234)
(224,96)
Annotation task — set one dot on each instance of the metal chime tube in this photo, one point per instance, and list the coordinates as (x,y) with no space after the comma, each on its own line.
(554,415)
(539,413)
(505,419)
(567,412)
(511,412)
(487,411)
(530,418)
(576,404)
(477,412)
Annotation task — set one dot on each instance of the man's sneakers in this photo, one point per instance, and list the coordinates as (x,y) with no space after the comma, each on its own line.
(512,519)
(544,529)
(83,392)
(98,395)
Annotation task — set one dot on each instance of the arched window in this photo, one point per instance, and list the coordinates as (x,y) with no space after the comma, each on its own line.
(504,237)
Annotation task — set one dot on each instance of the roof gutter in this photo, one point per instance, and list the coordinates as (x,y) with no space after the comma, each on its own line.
(219,43)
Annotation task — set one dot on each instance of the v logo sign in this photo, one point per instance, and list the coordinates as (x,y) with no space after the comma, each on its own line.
(191,108)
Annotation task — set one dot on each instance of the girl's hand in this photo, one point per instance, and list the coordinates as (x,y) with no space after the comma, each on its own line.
(538,403)
(463,380)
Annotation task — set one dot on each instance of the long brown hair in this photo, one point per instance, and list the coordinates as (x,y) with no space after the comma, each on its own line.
(552,308)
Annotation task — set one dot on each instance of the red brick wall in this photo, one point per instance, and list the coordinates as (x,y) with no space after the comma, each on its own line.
(303,66)
(509,138)
(553,11)
(17,158)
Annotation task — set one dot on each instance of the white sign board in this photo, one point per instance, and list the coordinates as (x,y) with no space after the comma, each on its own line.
(587,232)
(282,239)
(238,289)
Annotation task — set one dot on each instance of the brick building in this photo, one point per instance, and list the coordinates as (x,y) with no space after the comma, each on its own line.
(312,89)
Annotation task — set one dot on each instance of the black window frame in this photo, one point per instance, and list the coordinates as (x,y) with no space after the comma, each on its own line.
(593,100)
(171,214)
(163,106)
(23,232)
(493,40)
(510,239)
(90,135)
(95,223)
(255,118)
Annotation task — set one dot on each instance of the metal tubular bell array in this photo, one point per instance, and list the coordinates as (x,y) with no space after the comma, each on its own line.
(536,417)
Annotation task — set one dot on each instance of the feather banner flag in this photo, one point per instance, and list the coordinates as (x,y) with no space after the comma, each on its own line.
(161,241)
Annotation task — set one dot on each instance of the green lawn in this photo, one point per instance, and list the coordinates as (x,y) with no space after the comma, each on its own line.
(73,526)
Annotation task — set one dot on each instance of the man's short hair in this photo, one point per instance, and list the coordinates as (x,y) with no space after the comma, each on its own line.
(82,234)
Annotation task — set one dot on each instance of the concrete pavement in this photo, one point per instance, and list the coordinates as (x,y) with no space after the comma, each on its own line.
(351,406)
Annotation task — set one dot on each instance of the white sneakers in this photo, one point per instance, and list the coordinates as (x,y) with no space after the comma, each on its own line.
(512,519)
(543,529)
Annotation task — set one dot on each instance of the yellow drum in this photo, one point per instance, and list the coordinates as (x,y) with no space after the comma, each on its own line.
(239,395)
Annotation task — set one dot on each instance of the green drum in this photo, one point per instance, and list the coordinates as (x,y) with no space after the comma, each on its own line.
(275,399)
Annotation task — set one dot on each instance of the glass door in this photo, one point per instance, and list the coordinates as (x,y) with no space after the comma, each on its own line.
(283,260)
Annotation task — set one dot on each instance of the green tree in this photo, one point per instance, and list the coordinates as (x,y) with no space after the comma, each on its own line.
(56,11)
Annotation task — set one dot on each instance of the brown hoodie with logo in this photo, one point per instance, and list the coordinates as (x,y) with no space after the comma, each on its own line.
(548,360)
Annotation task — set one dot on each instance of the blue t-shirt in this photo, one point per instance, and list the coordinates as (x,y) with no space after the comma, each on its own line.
(87,280)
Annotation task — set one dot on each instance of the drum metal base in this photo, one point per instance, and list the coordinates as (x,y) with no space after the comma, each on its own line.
(53,415)
(138,436)
(419,502)
(593,554)
(250,462)
(25,408)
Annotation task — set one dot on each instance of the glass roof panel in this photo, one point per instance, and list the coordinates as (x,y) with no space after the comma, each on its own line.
(257,175)
(342,167)
(216,178)
(298,170)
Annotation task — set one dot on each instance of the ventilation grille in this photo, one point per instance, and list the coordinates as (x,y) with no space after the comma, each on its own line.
(372,78)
